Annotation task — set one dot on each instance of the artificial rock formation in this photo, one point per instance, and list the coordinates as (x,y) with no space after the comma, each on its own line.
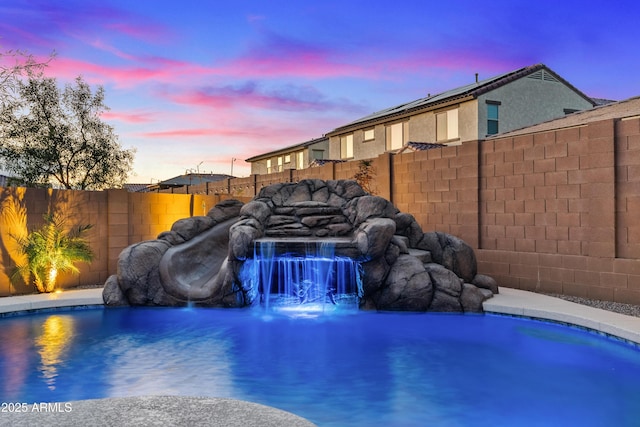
(200,260)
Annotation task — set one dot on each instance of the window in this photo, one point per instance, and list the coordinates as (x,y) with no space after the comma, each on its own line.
(447,125)
(287,158)
(269,166)
(492,117)
(369,134)
(346,146)
(396,135)
(280,164)
(300,160)
(317,154)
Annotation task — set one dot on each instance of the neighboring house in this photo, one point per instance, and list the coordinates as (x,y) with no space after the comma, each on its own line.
(187,179)
(136,188)
(610,110)
(297,156)
(8,179)
(509,101)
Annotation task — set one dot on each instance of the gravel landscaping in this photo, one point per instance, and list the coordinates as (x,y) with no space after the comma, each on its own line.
(617,307)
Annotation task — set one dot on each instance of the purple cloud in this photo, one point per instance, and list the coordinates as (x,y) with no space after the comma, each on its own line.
(290,97)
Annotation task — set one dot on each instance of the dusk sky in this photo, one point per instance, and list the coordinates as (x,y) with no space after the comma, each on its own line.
(193,84)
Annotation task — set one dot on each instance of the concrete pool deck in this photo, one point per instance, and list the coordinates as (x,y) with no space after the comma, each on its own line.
(70,298)
(175,410)
(155,411)
(538,306)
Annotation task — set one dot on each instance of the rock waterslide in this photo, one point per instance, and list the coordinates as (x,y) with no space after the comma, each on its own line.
(200,261)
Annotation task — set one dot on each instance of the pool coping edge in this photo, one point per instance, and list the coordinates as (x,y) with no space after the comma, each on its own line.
(508,301)
(529,304)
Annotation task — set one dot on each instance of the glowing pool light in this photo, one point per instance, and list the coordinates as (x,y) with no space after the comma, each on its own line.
(310,281)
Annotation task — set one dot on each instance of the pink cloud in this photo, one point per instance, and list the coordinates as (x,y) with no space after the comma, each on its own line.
(272,134)
(251,94)
(128,117)
(274,55)
(151,70)
(208,132)
(303,65)
(99,44)
(38,25)
(141,31)
(277,56)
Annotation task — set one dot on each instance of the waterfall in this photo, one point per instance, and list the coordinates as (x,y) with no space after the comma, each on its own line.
(315,278)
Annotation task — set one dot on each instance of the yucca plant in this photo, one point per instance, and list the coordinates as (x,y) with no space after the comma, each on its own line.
(50,250)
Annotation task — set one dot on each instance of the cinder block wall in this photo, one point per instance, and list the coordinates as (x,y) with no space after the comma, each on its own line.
(440,188)
(557,210)
(554,211)
(119,219)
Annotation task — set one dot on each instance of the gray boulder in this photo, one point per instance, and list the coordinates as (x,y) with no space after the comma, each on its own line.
(360,209)
(202,259)
(138,270)
(471,298)
(112,294)
(451,252)
(188,228)
(447,288)
(408,287)
(373,237)
(485,282)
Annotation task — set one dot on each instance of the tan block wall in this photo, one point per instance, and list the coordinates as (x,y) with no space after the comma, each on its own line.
(557,211)
(119,219)
(554,211)
(627,149)
(440,188)
(22,211)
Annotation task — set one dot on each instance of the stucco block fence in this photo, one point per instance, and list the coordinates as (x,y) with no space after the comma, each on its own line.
(119,219)
(555,211)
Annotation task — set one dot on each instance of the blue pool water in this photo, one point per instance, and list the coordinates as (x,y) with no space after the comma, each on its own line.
(357,369)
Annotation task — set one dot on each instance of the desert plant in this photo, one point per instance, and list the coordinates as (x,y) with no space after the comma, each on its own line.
(50,250)
(365,175)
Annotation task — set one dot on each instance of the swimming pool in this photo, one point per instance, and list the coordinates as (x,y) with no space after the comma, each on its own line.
(358,369)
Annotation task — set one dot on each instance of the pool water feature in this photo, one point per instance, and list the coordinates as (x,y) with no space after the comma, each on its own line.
(288,274)
(396,369)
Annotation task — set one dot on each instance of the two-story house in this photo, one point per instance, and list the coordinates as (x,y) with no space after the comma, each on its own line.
(499,104)
(297,156)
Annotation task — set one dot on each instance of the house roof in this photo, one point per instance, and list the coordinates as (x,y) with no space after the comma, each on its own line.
(322,162)
(470,91)
(288,149)
(136,188)
(420,146)
(188,179)
(602,101)
(616,110)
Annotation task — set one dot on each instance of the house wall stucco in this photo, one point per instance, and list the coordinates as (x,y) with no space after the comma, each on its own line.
(527,101)
(422,127)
